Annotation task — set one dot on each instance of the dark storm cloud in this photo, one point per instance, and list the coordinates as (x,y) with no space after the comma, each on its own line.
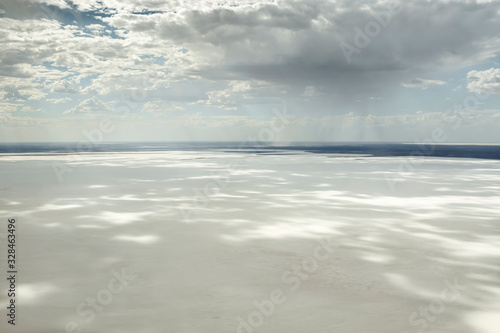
(301,41)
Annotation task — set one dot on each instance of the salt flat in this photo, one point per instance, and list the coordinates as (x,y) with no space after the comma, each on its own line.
(211,241)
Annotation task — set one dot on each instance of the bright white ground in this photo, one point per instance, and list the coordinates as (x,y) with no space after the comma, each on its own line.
(396,251)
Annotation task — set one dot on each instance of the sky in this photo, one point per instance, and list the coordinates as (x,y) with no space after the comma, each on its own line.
(253,71)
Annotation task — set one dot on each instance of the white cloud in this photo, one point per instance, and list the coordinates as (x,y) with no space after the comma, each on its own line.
(311,91)
(90,106)
(487,81)
(7,120)
(36,95)
(27,108)
(8,107)
(69,86)
(59,100)
(12,107)
(236,93)
(158,107)
(422,83)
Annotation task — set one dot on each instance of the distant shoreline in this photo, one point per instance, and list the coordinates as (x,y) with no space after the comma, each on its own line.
(411,150)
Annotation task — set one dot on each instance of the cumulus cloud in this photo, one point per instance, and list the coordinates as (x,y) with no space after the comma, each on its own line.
(68,86)
(487,81)
(7,120)
(27,108)
(59,100)
(158,107)
(311,91)
(8,107)
(236,93)
(90,106)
